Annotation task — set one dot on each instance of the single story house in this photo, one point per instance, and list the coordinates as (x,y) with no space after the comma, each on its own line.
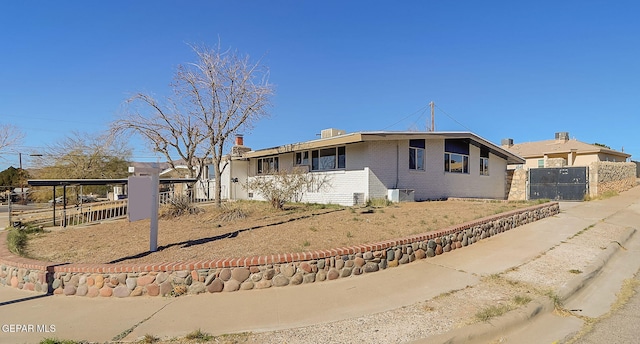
(562,151)
(371,165)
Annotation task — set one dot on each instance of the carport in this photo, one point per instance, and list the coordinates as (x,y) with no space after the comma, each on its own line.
(102,182)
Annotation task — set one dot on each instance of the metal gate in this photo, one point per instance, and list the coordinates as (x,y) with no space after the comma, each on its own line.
(559,184)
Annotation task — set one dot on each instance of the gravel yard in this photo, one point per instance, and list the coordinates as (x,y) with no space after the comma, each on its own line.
(245,229)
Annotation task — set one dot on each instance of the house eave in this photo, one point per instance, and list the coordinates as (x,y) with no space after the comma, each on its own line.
(578,152)
(313,144)
(386,136)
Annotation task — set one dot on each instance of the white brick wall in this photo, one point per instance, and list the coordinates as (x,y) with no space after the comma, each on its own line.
(389,163)
(339,190)
(341,187)
(374,167)
(473,185)
(430,183)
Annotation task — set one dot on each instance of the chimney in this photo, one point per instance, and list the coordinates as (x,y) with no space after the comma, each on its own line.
(239,140)
(562,136)
(507,143)
(238,148)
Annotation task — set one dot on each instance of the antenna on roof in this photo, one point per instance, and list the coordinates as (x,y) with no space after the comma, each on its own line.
(433,117)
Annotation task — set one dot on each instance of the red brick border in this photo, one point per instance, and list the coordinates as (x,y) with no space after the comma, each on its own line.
(7,258)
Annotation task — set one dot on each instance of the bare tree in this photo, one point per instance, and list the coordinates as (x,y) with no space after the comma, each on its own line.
(84,156)
(167,129)
(214,98)
(10,136)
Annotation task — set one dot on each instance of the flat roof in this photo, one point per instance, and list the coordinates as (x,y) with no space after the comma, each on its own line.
(511,157)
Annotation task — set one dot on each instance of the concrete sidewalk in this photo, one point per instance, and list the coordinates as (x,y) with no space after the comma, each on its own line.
(103,320)
(586,297)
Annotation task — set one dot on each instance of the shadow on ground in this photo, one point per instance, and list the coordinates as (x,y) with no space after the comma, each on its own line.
(230,235)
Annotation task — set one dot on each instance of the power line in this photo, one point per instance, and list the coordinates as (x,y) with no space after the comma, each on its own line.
(453,119)
(415,123)
(423,109)
(56,117)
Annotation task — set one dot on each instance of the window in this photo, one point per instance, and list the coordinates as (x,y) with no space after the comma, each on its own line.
(540,162)
(302,158)
(484,162)
(268,165)
(328,158)
(416,154)
(456,163)
(456,156)
(342,157)
(484,166)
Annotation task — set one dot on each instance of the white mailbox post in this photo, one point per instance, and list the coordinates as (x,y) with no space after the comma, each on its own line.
(144,203)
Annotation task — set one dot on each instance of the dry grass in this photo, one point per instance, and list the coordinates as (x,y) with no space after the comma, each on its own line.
(244,229)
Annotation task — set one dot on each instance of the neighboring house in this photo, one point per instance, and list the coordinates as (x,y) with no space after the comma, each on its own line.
(370,165)
(164,170)
(562,151)
(567,169)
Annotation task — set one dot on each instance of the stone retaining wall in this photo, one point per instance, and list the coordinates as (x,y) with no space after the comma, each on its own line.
(173,279)
(611,176)
(517,184)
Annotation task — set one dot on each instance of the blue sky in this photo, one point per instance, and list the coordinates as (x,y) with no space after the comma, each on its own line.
(502,69)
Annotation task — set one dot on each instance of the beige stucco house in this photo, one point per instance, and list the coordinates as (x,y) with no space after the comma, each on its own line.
(562,151)
(607,169)
(371,165)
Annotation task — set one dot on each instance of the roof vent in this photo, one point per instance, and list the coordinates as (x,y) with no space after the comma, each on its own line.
(562,136)
(331,132)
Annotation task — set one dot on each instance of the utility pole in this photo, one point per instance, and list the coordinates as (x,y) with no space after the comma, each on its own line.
(433,116)
(9,209)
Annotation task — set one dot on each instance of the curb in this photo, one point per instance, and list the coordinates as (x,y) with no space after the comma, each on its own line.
(481,332)
(485,331)
(593,270)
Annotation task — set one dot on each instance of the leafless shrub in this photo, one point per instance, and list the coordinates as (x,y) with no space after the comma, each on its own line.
(286,186)
(178,206)
(231,214)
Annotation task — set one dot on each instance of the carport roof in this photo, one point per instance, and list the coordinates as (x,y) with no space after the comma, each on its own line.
(61,182)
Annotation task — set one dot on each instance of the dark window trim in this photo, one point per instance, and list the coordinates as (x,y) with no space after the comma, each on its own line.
(417,163)
(457,146)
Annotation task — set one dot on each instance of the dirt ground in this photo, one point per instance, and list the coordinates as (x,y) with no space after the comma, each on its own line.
(244,229)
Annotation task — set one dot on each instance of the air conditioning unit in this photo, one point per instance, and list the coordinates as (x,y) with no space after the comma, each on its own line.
(401,195)
(358,198)
(562,136)
(331,132)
